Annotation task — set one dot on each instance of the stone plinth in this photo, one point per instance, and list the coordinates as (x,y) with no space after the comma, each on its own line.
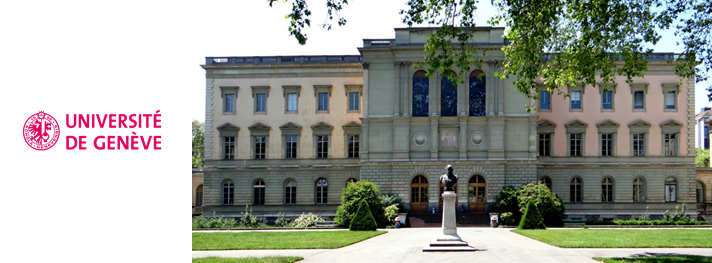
(449,240)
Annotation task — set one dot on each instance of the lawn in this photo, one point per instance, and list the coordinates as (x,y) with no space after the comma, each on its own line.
(279,239)
(622,238)
(657,260)
(247,260)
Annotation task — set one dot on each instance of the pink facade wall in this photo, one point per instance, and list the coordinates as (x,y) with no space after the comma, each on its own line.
(622,114)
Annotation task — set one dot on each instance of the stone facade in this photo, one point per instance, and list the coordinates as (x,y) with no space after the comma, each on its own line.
(387,122)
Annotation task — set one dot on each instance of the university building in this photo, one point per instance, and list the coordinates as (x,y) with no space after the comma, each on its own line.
(287,133)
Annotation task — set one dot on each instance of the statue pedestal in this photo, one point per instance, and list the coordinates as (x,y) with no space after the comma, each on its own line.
(449,240)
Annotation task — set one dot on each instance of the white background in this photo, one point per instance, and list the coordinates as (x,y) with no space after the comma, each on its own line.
(126,57)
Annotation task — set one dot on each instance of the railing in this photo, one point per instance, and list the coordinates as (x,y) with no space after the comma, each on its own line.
(283,59)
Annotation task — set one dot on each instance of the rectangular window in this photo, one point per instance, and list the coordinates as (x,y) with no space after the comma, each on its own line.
(639,144)
(544,100)
(230,103)
(229,148)
(576,100)
(292,102)
(670,144)
(607,100)
(575,144)
(261,101)
(353,146)
(323,101)
(670,100)
(291,147)
(607,144)
(322,147)
(544,147)
(260,143)
(290,193)
(353,100)
(638,100)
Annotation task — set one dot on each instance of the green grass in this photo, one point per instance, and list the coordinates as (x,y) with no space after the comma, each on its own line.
(622,238)
(247,260)
(279,239)
(657,260)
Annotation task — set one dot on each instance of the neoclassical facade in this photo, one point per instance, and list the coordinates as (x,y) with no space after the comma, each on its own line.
(287,133)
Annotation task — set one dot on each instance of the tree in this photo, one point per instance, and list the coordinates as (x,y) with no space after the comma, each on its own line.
(703,158)
(198,147)
(549,205)
(562,42)
(363,219)
(532,218)
(351,197)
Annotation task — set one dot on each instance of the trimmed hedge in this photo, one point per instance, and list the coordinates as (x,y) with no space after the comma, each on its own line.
(352,196)
(531,219)
(646,223)
(363,219)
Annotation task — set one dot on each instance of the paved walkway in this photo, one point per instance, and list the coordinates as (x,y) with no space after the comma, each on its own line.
(493,244)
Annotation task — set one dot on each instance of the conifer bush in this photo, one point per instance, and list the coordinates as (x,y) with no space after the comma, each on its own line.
(352,196)
(363,219)
(531,218)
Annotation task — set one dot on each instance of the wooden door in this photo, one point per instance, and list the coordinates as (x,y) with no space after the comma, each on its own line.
(477,194)
(419,194)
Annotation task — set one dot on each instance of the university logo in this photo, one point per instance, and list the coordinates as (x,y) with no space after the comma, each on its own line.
(41,131)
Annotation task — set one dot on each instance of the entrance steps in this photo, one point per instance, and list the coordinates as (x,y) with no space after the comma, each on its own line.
(473,219)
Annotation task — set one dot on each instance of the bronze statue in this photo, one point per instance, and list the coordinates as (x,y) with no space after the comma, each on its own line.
(449,179)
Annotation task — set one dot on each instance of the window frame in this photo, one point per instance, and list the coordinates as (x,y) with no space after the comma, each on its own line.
(471,96)
(576,127)
(573,198)
(228,198)
(229,90)
(321,89)
(608,190)
(670,88)
(671,127)
(349,89)
(427,95)
(546,127)
(351,129)
(668,196)
(639,87)
(441,98)
(290,129)
(288,90)
(290,194)
(255,187)
(610,87)
(224,131)
(639,186)
(545,91)
(639,127)
(608,127)
(258,91)
(321,192)
(321,129)
(259,130)
(580,90)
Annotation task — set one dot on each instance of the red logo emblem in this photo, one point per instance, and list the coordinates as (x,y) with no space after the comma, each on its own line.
(41,131)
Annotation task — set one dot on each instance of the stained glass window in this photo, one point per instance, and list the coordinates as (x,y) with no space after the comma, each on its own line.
(420,94)
(448,97)
(478,91)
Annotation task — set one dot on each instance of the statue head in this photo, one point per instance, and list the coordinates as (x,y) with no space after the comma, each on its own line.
(449,169)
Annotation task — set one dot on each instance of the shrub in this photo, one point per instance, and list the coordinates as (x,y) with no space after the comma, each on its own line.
(549,205)
(507,218)
(248,219)
(200,222)
(390,199)
(703,158)
(281,221)
(531,219)
(391,213)
(677,215)
(363,220)
(352,196)
(307,220)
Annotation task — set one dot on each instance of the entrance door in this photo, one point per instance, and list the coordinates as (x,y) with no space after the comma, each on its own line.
(419,194)
(477,194)
(442,189)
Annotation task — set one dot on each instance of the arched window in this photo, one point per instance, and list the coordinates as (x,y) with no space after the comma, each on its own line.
(546,181)
(607,190)
(421,97)
(351,180)
(259,192)
(448,96)
(290,192)
(322,190)
(700,193)
(199,196)
(638,190)
(478,92)
(670,190)
(228,192)
(575,190)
